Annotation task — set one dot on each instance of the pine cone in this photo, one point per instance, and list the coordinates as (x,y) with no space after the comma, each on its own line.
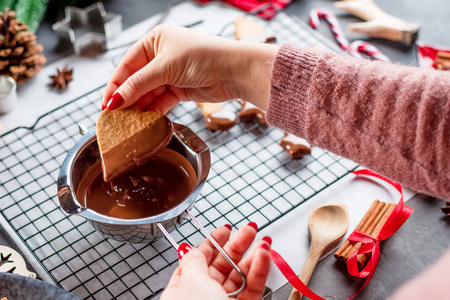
(20,55)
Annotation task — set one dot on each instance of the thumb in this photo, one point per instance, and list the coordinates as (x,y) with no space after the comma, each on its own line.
(137,85)
(193,263)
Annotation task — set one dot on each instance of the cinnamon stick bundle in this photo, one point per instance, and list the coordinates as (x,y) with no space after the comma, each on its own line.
(372,223)
(442,60)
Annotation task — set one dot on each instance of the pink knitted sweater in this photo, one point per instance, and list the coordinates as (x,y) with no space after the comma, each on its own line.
(392,119)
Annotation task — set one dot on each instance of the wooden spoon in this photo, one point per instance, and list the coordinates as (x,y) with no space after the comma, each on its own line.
(327,224)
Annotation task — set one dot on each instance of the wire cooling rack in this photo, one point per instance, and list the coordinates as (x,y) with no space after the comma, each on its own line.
(251,179)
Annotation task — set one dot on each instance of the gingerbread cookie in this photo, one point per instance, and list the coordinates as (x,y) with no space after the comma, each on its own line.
(127,138)
(217,117)
(296,147)
(250,112)
(247,30)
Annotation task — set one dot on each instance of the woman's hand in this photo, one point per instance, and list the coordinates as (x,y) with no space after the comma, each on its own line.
(204,273)
(171,64)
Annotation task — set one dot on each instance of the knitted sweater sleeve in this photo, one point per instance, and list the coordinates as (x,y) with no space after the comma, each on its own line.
(392,119)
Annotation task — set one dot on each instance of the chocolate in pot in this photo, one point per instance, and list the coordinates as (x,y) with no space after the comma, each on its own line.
(156,186)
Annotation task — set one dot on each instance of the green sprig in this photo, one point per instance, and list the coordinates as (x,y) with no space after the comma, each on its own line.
(11,4)
(31,12)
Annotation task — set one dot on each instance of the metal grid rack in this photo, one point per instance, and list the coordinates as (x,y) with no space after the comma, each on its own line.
(251,179)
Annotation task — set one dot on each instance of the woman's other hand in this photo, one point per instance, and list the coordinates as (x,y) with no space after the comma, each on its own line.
(204,273)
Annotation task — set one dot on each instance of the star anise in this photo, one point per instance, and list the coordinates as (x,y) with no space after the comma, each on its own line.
(62,78)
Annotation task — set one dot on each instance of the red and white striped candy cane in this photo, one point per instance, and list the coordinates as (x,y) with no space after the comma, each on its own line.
(357,47)
(331,19)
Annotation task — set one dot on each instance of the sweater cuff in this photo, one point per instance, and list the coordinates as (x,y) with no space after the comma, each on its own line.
(292,71)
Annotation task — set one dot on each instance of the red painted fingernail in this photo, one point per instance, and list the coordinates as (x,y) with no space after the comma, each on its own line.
(103,106)
(115,102)
(267,239)
(183,249)
(265,246)
(253,224)
(228,226)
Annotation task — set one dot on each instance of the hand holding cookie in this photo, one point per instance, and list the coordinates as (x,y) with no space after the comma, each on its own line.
(172,64)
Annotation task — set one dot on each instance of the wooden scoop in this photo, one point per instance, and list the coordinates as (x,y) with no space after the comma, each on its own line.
(378,23)
(327,224)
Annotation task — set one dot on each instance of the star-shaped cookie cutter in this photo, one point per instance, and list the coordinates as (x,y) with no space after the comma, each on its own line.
(12,262)
(89,29)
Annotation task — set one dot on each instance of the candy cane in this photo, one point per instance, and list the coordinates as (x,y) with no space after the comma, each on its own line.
(331,19)
(356,47)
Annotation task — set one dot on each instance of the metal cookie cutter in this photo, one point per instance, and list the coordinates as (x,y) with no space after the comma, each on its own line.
(89,29)
(12,262)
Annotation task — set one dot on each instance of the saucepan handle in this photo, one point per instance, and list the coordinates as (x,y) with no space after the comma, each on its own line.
(82,129)
(213,241)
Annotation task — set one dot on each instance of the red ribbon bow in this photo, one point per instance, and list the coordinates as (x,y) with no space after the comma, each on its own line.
(369,244)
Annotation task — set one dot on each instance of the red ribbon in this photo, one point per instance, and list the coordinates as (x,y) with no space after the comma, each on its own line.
(370,244)
(266,9)
(292,277)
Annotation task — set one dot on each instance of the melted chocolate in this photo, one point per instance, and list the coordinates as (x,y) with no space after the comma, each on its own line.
(156,186)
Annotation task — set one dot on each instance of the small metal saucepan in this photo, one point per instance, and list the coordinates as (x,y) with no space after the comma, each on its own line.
(85,154)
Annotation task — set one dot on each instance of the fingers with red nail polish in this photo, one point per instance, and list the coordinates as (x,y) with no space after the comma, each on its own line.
(267,239)
(266,242)
(253,224)
(183,249)
(103,106)
(228,226)
(115,102)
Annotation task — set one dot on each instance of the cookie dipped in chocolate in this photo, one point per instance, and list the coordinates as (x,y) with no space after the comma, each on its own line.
(127,138)
(164,181)
(295,146)
(221,120)
(250,112)
(217,117)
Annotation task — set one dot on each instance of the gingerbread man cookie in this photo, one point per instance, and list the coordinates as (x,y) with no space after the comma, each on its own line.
(250,112)
(296,147)
(217,117)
